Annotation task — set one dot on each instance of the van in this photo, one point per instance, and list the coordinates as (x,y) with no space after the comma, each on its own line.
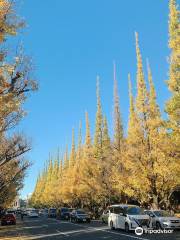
(127,217)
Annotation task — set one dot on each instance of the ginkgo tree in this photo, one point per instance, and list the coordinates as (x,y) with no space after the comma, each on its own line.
(139,166)
(14,84)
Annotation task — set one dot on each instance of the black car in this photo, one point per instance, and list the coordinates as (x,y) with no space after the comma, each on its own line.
(64,213)
(79,216)
(52,212)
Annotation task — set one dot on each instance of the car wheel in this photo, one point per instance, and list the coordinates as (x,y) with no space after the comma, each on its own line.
(158,225)
(112,226)
(126,227)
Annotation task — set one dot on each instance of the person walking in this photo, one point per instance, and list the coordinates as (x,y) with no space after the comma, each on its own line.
(22,216)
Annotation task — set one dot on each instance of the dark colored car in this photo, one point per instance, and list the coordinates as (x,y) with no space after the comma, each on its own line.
(64,213)
(52,213)
(79,216)
(8,219)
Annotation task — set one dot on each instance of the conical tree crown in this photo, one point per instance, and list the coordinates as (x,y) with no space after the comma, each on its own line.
(153,107)
(79,149)
(66,159)
(88,135)
(118,126)
(131,122)
(105,137)
(99,124)
(141,100)
(73,151)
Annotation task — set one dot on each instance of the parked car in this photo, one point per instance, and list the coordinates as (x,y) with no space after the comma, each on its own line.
(105,215)
(33,213)
(19,211)
(43,212)
(161,219)
(64,213)
(52,213)
(13,211)
(79,215)
(127,217)
(24,212)
(8,219)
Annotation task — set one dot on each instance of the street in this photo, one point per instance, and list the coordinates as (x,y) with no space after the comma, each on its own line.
(52,229)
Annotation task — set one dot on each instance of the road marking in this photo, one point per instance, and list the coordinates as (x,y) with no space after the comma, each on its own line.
(86,229)
(104,229)
(65,234)
(89,230)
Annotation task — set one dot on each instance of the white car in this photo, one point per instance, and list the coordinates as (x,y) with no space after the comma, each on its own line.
(162,219)
(127,217)
(32,213)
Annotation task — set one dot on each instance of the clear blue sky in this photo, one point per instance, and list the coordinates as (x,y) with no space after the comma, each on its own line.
(72,41)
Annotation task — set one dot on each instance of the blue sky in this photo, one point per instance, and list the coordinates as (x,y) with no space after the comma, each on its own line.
(73,41)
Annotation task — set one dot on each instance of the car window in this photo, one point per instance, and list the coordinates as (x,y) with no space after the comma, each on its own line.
(118,210)
(80,212)
(52,210)
(149,213)
(134,211)
(162,214)
(64,210)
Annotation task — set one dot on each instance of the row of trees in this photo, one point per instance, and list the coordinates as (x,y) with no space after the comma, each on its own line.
(142,165)
(15,83)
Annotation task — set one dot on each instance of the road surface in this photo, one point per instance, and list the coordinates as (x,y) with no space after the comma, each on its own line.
(43,228)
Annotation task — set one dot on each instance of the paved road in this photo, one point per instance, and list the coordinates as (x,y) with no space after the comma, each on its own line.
(51,229)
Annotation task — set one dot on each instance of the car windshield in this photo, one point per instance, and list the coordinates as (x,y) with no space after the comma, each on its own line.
(64,210)
(33,211)
(80,212)
(162,214)
(71,209)
(52,210)
(134,211)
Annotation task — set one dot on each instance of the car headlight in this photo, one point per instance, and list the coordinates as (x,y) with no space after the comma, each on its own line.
(165,222)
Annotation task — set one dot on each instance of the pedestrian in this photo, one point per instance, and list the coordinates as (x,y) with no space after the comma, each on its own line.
(22,216)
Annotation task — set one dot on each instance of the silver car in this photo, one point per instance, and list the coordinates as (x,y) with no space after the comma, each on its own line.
(161,219)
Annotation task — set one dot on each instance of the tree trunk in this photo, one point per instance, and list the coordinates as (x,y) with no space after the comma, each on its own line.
(155,203)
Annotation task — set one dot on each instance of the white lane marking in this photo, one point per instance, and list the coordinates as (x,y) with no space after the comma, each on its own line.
(122,234)
(34,227)
(53,234)
(105,229)
(65,234)
(89,230)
